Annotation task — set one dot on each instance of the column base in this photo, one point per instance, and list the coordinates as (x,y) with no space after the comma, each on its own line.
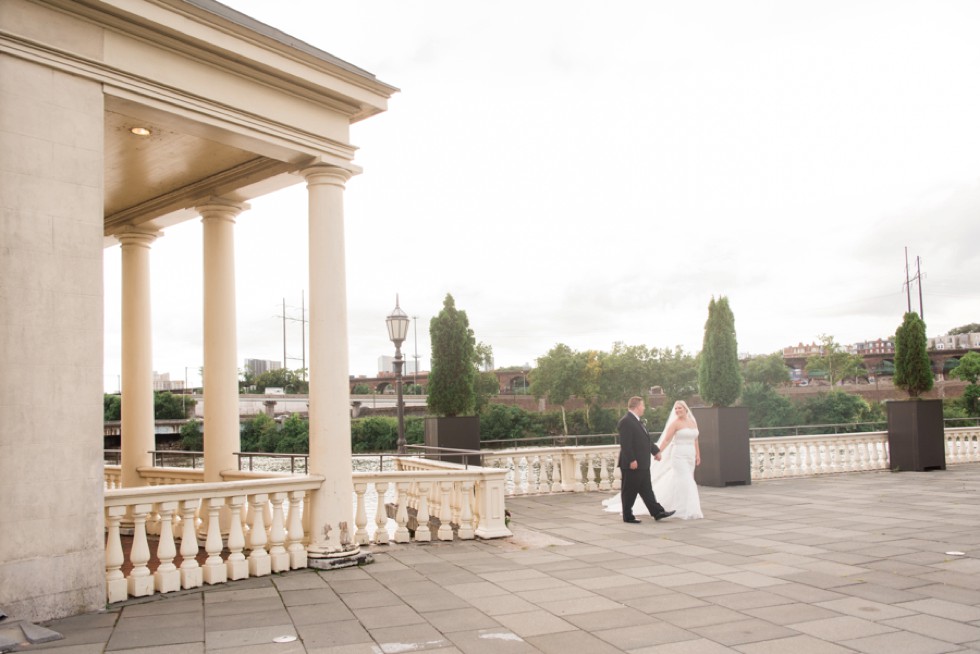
(191,578)
(167,581)
(140,586)
(116,591)
(280,561)
(259,566)
(237,569)
(215,574)
(500,532)
(337,562)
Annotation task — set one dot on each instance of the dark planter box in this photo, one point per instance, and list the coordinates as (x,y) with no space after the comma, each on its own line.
(916,435)
(723,437)
(459,432)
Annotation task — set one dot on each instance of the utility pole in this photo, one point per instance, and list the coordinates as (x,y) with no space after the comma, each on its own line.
(918,276)
(908,289)
(302,320)
(416,324)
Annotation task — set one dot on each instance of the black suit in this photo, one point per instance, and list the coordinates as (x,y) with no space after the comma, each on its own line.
(635,444)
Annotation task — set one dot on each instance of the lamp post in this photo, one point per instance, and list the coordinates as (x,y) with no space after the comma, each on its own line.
(397,323)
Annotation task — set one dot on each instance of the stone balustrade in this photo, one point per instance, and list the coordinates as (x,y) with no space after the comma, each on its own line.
(557,469)
(263,517)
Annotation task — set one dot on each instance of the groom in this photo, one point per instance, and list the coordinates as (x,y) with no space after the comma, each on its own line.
(635,448)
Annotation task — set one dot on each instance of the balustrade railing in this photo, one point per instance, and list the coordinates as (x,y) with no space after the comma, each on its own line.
(262,517)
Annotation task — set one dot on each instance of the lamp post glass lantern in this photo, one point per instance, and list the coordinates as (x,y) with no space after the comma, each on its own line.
(397,323)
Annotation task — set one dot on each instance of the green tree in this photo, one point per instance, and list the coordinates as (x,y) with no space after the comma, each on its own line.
(451,380)
(913,369)
(719,377)
(362,389)
(557,377)
(111,407)
(294,437)
(260,434)
(769,370)
(291,381)
(483,356)
(246,380)
(167,406)
(191,436)
(969,370)
(485,386)
(676,372)
(836,407)
(966,329)
(835,362)
(625,372)
(767,408)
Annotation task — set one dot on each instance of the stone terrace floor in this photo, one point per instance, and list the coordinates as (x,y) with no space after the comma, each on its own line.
(844,563)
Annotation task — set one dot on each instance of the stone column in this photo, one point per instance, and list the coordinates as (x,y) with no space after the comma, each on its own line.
(137,424)
(330,447)
(220,379)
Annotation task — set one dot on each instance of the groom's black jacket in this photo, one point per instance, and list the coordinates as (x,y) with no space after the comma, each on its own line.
(635,443)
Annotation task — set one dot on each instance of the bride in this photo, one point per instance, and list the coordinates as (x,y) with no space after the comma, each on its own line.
(673,475)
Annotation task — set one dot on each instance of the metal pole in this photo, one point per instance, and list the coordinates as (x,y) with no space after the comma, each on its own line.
(918,276)
(416,320)
(302,322)
(399,362)
(284,364)
(908,288)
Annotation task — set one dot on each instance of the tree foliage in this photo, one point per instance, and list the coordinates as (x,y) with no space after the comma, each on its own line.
(167,406)
(913,369)
(451,380)
(719,376)
(769,370)
(291,381)
(191,436)
(836,363)
(767,408)
(968,369)
(111,407)
(675,371)
(485,386)
(966,329)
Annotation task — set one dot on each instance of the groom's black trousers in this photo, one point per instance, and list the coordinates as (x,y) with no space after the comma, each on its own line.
(637,482)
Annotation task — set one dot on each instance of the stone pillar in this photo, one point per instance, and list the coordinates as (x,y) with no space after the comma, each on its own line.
(137,424)
(330,447)
(221,423)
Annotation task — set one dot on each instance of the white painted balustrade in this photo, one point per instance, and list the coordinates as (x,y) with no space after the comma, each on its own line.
(535,470)
(263,517)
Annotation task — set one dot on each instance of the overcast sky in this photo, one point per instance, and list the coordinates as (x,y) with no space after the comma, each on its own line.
(587,173)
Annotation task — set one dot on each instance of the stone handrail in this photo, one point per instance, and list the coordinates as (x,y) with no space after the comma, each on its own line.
(557,469)
(229,516)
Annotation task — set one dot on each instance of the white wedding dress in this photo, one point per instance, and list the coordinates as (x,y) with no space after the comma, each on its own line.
(673,480)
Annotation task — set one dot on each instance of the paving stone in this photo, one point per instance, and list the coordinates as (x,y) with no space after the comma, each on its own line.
(784,614)
(750,600)
(388,616)
(863,608)
(146,637)
(460,620)
(696,646)
(900,643)
(794,644)
(949,631)
(305,614)
(534,623)
(571,641)
(841,628)
(700,616)
(631,638)
(333,634)
(943,609)
(743,631)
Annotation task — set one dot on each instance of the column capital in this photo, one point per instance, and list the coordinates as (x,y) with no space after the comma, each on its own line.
(325,174)
(132,235)
(221,208)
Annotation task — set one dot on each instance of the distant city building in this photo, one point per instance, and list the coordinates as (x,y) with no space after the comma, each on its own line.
(969,341)
(801,350)
(879,346)
(387,364)
(260,366)
(161,382)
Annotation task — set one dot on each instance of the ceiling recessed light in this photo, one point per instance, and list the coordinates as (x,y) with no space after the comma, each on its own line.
(139,131)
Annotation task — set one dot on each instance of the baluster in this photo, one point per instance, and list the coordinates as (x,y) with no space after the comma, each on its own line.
(277,534)
(259,563)
(140,582)
(604,484)
(294,532)
(556,473)
(401,514)
(515,463)
(757,457)
(190,570)
(617,483)
(167,577)
(466,528)
(360,515)
(381,515)
(445,512)
(540,483)
(214,569)
(423,533)
(590,473)
(236,563)
(115,581)
(579,487)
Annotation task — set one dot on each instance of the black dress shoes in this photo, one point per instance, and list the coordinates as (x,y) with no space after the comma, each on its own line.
(665,514)
(632,521)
